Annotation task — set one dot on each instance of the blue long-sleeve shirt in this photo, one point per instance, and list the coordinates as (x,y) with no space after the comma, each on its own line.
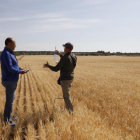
(9,66)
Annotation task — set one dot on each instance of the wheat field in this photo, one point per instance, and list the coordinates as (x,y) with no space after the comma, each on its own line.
(105,95)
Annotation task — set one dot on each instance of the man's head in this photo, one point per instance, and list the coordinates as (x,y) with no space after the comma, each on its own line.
(10,43)
(68,47)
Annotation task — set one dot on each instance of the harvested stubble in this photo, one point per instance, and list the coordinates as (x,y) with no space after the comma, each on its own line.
(106,92)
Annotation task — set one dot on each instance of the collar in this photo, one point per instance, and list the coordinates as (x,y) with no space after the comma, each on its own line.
(7,49)
(68,53)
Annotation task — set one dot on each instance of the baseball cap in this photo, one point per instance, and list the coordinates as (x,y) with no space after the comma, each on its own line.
(68,45)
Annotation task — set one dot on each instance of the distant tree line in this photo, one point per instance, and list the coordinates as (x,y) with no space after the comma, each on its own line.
(98,53)
(33,52)
(103,53)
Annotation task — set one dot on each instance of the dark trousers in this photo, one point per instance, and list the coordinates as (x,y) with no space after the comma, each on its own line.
(10,87)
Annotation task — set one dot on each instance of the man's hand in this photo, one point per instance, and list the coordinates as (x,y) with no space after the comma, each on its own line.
(46,65)
(23,71)
(57,52)
(21,68)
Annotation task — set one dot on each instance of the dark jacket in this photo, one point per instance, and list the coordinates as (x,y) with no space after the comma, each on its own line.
(66,66)
(9,66)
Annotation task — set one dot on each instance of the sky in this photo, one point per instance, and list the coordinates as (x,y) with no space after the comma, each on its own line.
(90,25)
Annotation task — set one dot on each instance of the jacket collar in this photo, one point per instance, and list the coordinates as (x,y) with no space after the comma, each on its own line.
(7,49)
(68,53)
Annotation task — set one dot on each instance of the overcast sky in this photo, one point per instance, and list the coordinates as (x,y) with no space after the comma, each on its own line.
(90,25)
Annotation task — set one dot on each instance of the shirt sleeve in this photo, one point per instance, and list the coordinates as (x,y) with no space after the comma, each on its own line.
(59,65)
(8,62)
(61,55)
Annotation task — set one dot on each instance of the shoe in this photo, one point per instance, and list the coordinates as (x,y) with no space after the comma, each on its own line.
(14,117)
(71,112)
(12,124)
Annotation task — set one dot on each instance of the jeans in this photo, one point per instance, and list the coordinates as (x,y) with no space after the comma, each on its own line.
(66,85)
(10,87)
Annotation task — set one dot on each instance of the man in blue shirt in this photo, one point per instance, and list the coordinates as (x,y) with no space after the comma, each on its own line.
(10,75)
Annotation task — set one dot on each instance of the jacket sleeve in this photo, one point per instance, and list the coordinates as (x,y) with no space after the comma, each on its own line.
(8,62)
(59,65)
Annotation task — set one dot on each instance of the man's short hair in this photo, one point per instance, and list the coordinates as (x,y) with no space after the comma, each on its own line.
(8,40)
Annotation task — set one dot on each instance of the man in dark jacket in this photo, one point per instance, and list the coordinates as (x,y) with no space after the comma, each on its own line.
(10,75)
(66,66)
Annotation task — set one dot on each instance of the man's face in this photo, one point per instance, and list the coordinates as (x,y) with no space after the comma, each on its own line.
(66,50)
(12,45)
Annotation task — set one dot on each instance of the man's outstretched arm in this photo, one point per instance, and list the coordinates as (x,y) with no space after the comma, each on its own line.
(58,66)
